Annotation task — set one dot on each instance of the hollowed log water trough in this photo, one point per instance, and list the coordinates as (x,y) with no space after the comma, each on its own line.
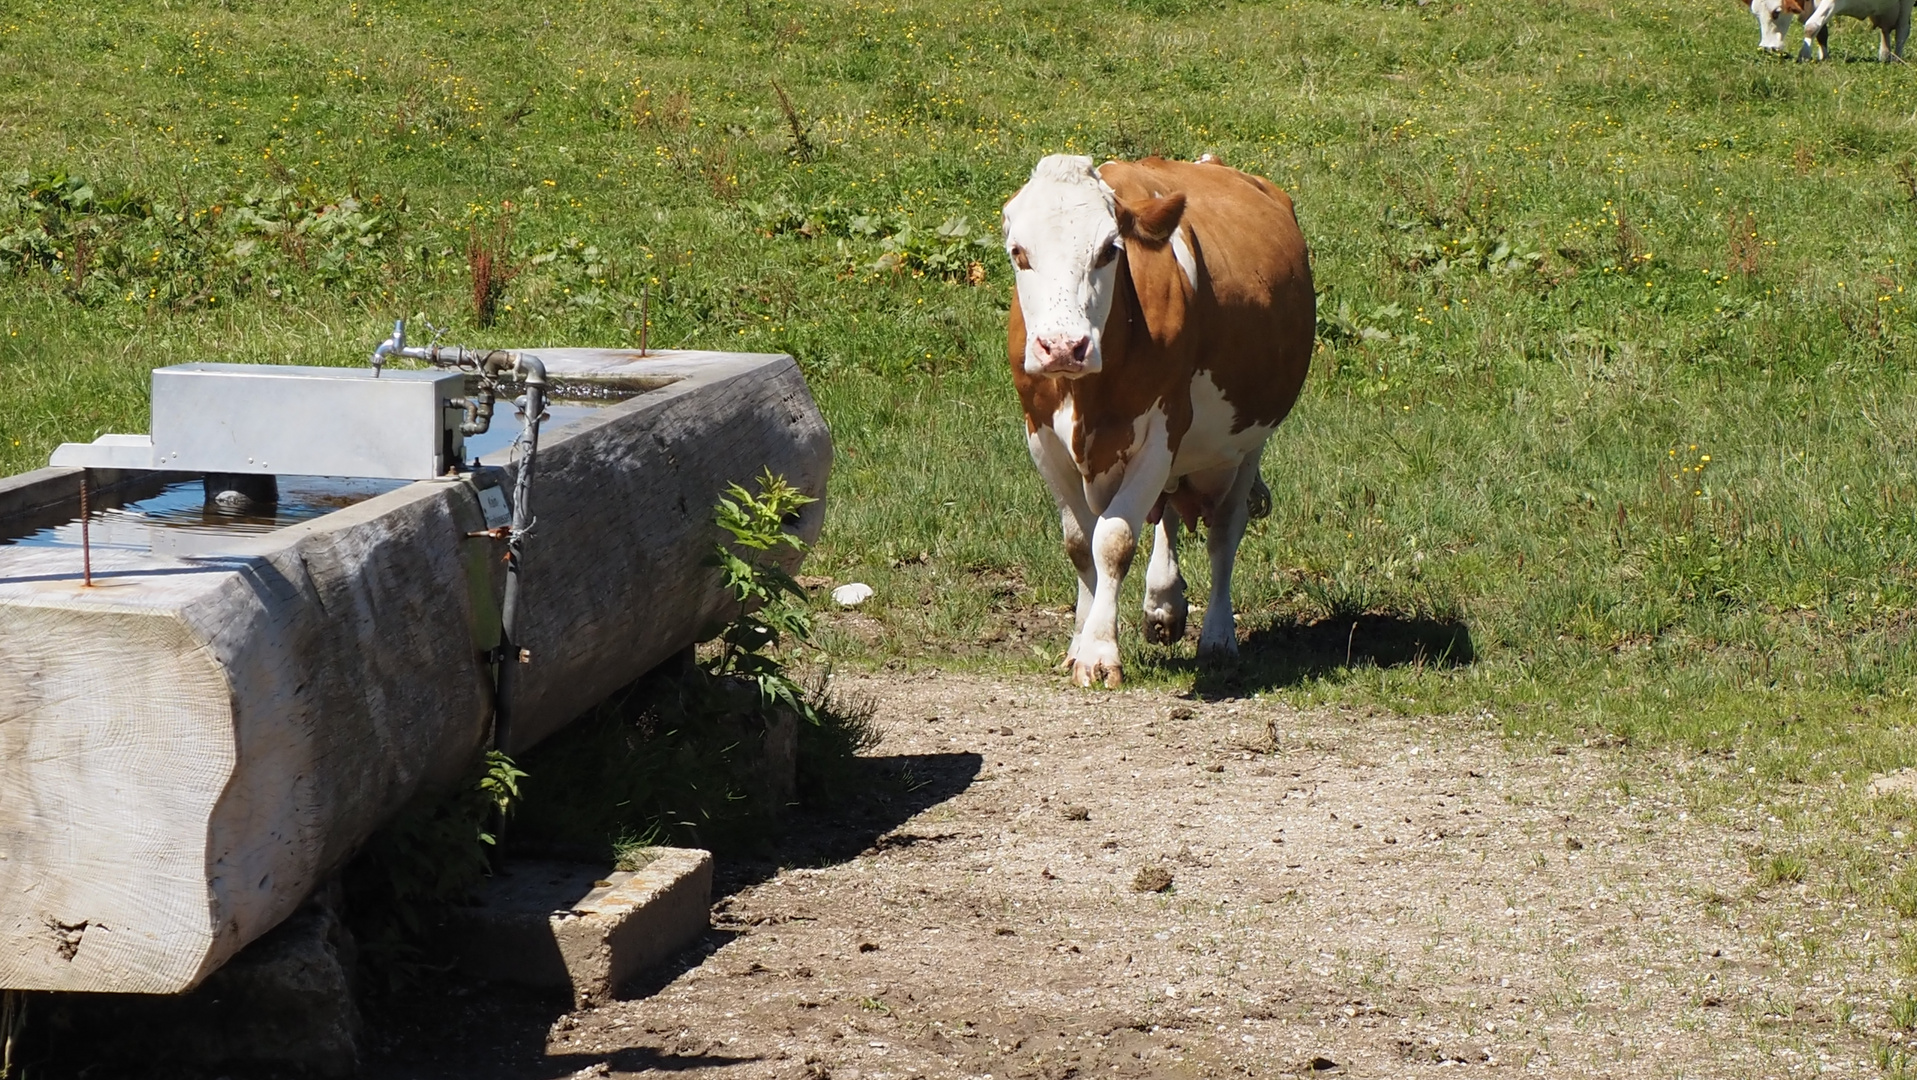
(191,744)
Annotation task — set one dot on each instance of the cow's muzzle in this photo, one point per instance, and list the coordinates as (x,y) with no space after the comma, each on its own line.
(1062,354)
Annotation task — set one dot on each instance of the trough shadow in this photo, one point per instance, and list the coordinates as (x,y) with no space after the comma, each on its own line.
(496,1032)
(889,791)
(478,1032)
(885,792)
(1281,654)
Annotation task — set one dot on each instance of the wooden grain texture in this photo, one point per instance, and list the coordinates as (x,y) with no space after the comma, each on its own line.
(190,747)
(643,508)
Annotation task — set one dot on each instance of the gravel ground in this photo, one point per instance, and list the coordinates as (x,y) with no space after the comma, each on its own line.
(1051,883)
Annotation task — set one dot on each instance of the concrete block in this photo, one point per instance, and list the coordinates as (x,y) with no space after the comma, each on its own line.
(542,923)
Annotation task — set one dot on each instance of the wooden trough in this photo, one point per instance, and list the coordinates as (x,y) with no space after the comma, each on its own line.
(189,746)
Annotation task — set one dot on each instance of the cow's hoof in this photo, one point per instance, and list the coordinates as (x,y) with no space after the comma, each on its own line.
(1097,663)
(1089,675)
(1164,627)
(1070,660)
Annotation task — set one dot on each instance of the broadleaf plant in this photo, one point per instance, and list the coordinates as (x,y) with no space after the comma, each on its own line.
(771,605)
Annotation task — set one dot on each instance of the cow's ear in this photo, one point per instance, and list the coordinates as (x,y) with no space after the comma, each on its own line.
(1153,220)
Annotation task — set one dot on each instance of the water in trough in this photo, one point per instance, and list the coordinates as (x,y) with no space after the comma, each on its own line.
(176,518)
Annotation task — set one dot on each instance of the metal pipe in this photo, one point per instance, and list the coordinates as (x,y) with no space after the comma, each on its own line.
(492,367)
(479,414)
(479,411)
(510,653)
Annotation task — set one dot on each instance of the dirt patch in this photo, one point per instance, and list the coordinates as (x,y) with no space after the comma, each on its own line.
(1896,782)
(1376,896)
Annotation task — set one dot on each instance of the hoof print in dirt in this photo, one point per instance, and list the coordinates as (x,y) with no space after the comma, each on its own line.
(1075,813)
(1152,879)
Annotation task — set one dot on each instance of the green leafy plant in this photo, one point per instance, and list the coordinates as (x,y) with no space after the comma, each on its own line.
(771,605)
(107,246)
(950,251)
(1468,249)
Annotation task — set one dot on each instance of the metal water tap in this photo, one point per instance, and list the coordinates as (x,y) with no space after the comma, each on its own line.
(395,345)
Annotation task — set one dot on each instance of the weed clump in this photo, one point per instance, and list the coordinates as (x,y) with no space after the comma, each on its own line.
(1152,879)
(102,246)
(1781,869)
(490,272)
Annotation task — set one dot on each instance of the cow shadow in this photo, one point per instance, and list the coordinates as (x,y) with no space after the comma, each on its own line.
(1284,653)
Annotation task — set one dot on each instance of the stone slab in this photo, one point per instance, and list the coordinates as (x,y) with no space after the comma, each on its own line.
(543,923)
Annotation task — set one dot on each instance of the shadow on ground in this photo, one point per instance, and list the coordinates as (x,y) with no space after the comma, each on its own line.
(475,1032)
(1281,654)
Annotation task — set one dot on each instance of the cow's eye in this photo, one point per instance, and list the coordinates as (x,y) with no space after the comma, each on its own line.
(1018,258)
(1105,255)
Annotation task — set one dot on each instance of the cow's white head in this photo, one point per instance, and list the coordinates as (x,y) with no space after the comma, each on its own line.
(1773,19)
(1064,232)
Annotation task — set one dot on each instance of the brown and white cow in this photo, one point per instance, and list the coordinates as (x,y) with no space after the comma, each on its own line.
(1161,327)
(1890,18)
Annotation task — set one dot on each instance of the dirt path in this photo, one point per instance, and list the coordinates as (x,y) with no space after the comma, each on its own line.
(1380,896)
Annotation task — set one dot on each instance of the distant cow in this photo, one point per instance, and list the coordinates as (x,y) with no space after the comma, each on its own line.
(1161,326)
(1890,17)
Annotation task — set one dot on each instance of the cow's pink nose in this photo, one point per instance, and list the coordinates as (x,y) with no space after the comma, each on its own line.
(1064,350)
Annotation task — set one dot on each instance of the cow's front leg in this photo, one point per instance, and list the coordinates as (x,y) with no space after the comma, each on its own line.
(1075,519)
(1817,31)
(1816,41)
(1218,639)
(1078,545)
(1165,604)
(1114,542)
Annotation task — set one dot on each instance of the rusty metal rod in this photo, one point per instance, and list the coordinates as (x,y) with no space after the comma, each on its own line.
(86,536)
(645,316)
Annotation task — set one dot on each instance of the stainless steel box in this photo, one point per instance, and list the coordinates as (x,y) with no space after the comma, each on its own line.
(312,421)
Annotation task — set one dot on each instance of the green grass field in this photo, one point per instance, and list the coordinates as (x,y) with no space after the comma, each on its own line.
(1610,435)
